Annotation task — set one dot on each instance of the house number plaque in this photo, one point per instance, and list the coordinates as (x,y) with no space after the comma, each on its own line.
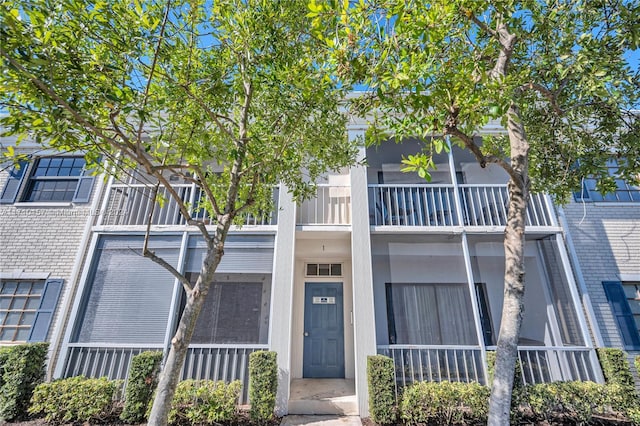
(324,300)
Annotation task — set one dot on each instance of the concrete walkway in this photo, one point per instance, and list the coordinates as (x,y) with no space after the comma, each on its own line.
(301,420)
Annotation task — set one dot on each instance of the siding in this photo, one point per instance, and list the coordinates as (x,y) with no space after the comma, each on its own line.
(607,242)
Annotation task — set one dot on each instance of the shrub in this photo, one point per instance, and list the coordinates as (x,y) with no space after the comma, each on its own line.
(76,399)
(263,385)
(206,401)
(444,403)
(382,390)
(22,368)
(617,374)
(577,401)
(143,379)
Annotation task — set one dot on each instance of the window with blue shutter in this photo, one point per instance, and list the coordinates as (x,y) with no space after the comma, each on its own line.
(620,303)
(44,315)
(14,181)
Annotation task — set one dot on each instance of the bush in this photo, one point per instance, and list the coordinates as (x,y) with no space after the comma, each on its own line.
(22,368)
(577,401)
(143,379)
(206,401)
(382,389)
(76,399)
(263,385)
(445,403)
(617,374)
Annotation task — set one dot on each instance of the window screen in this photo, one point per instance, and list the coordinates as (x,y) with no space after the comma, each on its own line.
(129,296)
(236,310)
(430,314)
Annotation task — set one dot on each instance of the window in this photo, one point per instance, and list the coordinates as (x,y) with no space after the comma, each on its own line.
(54,179)
(51,179)
(624,192)
(26,309)
(624,299)
(236,310)
(128,297)
(430,314)
(324,269)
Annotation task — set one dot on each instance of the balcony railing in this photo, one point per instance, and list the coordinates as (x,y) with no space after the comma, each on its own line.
(211,362)
(544,364)
(540,364)
(332,206)
(435,206)
(131,205)
(418,363)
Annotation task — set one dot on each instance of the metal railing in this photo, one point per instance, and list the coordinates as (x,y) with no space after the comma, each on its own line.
(486,205)
(203,362)
(331,206)
(550,364)
(110,361)
(131,205)
(412,205)
(417,363)
(221,362)
(435,205)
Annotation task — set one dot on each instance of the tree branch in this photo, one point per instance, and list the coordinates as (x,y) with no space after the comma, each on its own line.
(212,115)
(551,96)
(483,26)
(207,190)
(166,265)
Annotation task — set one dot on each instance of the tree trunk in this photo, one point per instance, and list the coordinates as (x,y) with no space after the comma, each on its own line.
(172,370)
(514,246)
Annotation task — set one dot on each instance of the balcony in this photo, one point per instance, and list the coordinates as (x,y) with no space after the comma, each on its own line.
(132,204)
(433,206)
(331,206)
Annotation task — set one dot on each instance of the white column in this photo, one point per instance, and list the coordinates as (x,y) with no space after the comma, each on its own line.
(363,308)
(282,296)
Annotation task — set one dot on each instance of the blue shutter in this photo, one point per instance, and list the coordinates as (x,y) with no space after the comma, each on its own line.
(48,302)
(622,312)
(83,190)
(12,186)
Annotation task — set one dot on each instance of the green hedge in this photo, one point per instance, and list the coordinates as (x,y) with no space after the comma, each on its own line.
(143,379)
(382,391)
(204,402)
(620,385)
(263,385)
(22,368)
(76,399)
(445,403)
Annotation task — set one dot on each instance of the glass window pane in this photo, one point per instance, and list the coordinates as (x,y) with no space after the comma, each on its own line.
(18,303)
(27,318)
(23,334)
(55,162)
(7,333)
(323,269)
(13,318)
(5,302)
(68,162)
(37,287)
(9,287)
(24,287)
(312,269)
(336,269)
(33,303)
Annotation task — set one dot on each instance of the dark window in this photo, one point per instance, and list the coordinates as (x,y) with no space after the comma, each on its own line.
(485,314)
(324,269)
(430,314)
(236,311)
(58,179)
(625,192)
(624,299)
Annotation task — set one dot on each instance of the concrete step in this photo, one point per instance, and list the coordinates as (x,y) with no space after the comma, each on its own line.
(323,396)
(321,421)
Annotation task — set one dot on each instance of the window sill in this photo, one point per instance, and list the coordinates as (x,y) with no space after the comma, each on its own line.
(616,203)
(42,204)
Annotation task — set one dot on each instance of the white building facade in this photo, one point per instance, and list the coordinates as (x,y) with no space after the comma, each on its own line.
(380,262)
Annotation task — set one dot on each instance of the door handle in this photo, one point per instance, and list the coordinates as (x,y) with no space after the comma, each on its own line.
(306,334)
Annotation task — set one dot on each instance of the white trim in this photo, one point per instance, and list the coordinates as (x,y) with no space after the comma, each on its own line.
(613,203)
(629,277)
(21,275)
(41,204)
